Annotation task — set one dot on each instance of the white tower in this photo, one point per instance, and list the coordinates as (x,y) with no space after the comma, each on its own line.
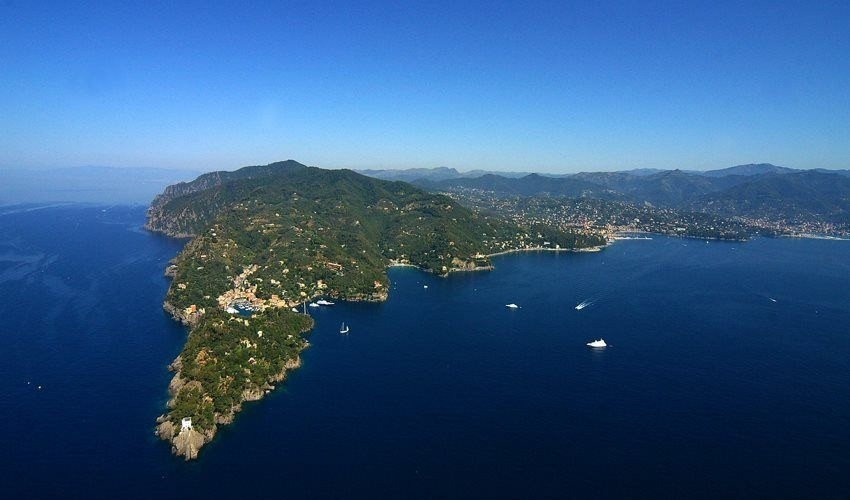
(186,424)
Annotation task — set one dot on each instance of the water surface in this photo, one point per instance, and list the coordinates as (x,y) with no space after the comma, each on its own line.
(727,375)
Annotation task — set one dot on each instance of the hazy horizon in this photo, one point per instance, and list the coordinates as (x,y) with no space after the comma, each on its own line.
(546,87)
(518,169)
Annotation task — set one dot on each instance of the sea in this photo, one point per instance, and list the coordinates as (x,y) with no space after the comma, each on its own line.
(727,375)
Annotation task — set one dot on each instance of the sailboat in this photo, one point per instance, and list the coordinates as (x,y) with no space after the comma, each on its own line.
(343,328)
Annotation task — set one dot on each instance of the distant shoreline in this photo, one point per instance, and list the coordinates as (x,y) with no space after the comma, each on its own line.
(597,248)
(809,236)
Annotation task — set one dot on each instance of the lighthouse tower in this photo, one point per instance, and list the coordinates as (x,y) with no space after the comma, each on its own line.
(186,424)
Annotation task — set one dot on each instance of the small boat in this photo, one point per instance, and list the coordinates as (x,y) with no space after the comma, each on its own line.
(231,310)
(512,306)
(424,286)
(597,343)
(324,302)
(343,328)
(294,310)
(313,304)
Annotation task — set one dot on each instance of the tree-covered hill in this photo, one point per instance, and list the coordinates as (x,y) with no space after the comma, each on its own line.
(798,196)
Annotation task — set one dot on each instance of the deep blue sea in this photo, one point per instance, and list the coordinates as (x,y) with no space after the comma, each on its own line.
(727,375)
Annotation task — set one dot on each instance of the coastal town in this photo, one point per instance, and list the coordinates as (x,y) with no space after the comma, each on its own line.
(612,217)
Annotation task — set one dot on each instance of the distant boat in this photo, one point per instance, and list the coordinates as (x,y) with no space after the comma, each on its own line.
(343,328)
(512,306)
(597,343)
(313,304)
(324,302)
(424,286)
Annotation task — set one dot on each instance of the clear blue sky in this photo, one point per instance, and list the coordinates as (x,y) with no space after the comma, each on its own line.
(554,87)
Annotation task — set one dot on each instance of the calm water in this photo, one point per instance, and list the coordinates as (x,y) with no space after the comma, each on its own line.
(709,387)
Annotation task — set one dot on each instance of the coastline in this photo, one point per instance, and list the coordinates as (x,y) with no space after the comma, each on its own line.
(809,236)
(597,248)
(188,442)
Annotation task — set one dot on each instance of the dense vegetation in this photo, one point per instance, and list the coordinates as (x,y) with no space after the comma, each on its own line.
(226,355)
(793,197)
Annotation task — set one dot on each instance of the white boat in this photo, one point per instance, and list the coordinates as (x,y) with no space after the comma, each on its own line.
(231,310)
(313,304)
(597,343)
(324,302)
(294,310)
(424,286)
(343,328)
(512,306)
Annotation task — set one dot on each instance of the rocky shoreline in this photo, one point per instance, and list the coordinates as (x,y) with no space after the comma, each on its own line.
(187,442)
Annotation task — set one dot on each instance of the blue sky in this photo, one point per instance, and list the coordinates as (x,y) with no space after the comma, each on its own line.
(552,87)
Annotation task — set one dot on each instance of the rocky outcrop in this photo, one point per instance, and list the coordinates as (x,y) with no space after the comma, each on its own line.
(378,296)
(252,394)
(165,429)
(459,265)
(171,271)
(187,443)
(189,319)
(176,384)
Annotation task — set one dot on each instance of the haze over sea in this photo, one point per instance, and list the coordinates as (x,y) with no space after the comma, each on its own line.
(726,375)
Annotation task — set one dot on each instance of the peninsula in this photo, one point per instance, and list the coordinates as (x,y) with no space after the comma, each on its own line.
(267,239)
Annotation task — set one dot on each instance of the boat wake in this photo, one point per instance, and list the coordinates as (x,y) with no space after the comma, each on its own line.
(584,303)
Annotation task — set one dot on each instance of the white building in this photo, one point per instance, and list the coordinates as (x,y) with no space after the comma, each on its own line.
(186,424)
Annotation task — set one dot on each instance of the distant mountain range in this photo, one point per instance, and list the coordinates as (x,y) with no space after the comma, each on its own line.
(807,195)
(444,173)
(749,169)
(755,190)
(434,174)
